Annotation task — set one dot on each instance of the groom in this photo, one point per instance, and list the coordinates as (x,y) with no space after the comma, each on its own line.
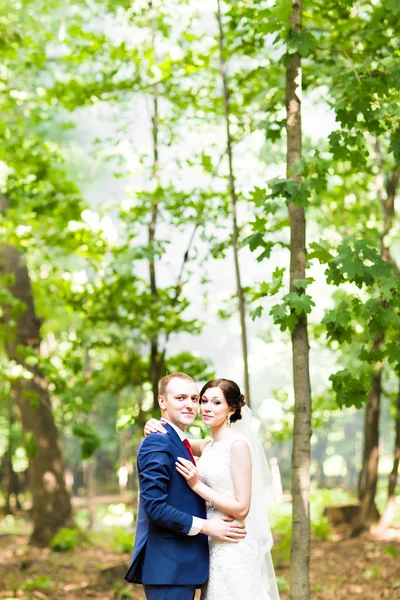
(170,556)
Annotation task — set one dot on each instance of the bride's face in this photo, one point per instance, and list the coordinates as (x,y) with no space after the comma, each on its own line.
(214,409)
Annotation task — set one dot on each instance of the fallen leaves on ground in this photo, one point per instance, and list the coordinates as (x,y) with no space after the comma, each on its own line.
(363,568)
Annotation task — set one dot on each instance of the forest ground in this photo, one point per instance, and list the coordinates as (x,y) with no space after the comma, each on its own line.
(363,567)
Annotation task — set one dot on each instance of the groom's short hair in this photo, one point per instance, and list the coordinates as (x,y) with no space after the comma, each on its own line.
(163,383)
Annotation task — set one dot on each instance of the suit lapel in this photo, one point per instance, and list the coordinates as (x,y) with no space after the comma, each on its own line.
(175,439)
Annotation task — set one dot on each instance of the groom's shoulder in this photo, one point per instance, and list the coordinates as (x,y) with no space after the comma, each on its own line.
(155,441)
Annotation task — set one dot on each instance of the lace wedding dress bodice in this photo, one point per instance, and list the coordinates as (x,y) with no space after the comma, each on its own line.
(235,572)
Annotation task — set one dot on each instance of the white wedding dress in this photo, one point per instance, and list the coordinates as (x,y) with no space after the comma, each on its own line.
(235,569)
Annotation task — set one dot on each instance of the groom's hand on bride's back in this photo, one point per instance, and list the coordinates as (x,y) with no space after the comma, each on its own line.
(224,529)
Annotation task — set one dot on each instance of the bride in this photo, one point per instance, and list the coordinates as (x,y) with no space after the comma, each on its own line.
(233,477)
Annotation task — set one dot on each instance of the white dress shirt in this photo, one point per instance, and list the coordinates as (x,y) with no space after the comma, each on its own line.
(197,523)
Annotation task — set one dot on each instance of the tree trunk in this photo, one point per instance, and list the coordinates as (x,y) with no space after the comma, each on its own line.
(123,463)
(9,479)
(319,454)
(388,514)
(155,363)
(233,195)
(89,468)
(300,549)
(178,289)
(369,471)
(51,507)
(350,457)
(155,367)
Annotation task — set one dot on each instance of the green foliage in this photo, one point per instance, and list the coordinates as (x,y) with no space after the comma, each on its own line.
(366,322)
(302,42)
(43,583)
(92,287)
(281,518)
(123,541)
(321,529)
(295,306)
(326,497)
(339,323)
(264,290)
(391,551)
(121,592)
(199,368)
(351,390)
(282,583)
(89,437)
(30,445)
(281,521)
(65,540)
(371,573)
(361,264)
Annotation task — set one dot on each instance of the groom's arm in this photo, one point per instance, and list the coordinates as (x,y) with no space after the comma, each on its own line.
(155,473)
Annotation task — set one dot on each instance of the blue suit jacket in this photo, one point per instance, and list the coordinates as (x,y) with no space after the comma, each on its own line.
(163,553)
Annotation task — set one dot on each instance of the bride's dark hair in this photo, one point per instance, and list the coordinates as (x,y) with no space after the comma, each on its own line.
(232,394)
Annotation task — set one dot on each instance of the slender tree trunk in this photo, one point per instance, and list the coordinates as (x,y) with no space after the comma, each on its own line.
(389,512)
(155,364)
(351,457)
(178,288)
(51,507)
(233,195)
(369,470)
(300,549)
(319,454)
(123,463)
(89,467)
(9,477)
(154,352)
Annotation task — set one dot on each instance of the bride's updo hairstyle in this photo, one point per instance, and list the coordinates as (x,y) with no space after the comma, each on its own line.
(232,394)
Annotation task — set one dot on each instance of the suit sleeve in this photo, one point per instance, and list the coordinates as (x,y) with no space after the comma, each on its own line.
(155,471)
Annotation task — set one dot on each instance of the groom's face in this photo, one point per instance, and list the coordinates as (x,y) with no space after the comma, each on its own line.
(180,403)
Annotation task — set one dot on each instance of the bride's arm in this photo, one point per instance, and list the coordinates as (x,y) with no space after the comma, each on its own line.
(198,446)
(238,506)
(154,426)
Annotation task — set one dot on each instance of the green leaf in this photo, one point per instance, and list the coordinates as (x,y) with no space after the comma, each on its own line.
(90,438)
(301,42)
(207,163)
(301,284)
(279,312)
(393,352)
(257,196)
(277,281)
(254,241)
(301,303)
(282,10)
(268,246)
(256,312)
(320,251)
(395,142)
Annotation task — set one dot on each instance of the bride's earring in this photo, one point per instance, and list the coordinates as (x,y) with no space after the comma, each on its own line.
(228,419)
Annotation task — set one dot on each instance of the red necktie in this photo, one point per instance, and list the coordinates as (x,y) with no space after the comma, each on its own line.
(186,443)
